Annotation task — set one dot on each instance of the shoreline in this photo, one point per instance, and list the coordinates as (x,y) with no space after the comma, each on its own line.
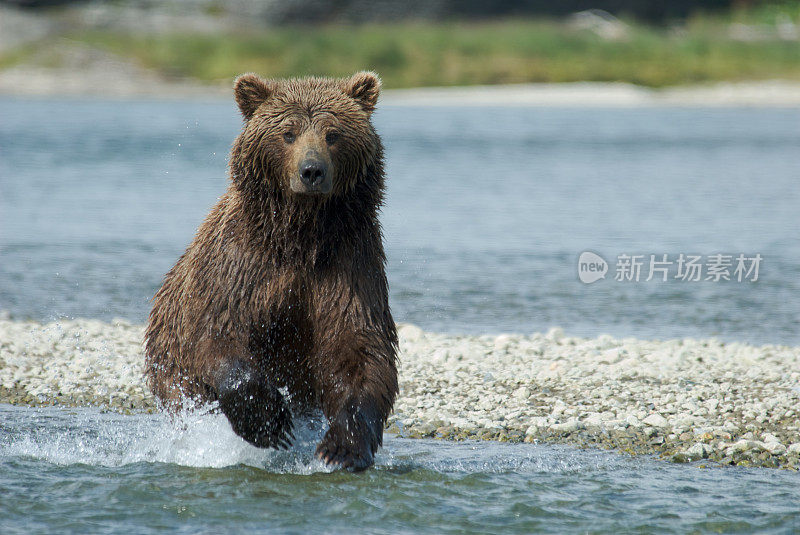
(114,79)
(684,399)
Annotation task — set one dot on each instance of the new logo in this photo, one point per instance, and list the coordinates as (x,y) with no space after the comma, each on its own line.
(591,267)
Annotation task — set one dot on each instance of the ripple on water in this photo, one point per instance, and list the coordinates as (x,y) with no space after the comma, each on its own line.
(73,469)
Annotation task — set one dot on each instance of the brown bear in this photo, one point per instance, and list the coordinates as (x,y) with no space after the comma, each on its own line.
(280,304)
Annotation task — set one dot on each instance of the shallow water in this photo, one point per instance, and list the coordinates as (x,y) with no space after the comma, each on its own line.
(82,470)
(487,212)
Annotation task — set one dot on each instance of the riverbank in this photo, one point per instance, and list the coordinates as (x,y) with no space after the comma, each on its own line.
(682,399)
(186,41)
(104,76)
(589,58)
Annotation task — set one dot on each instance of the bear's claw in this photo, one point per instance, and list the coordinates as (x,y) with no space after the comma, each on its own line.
(334,455)
(352,439)
(266,426)
(255,409)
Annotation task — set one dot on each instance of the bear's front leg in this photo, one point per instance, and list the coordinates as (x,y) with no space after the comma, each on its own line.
(255,408)
(354,435)
(357,394)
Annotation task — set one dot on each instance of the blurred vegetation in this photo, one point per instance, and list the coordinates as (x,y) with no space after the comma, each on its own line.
(739,45)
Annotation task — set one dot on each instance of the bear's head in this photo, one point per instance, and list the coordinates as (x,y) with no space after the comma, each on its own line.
(310,137)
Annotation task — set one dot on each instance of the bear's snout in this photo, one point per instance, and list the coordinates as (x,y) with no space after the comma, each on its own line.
(313,171)
(313,174)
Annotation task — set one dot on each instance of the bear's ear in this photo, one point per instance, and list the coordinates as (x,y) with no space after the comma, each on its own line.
(250,92)
(364,88)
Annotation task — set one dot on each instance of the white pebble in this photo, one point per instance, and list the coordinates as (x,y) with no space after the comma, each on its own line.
(656,420)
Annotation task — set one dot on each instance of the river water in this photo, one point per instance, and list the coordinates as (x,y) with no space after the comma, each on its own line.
(83,471)
(487,213)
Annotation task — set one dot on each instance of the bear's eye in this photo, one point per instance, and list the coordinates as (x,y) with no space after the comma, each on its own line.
(288,137)
(331,137)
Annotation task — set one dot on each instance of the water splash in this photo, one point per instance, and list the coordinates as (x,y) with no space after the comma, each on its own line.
(199,438)
(203,438)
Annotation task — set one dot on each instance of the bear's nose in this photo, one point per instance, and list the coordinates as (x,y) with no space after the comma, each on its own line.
(312,172)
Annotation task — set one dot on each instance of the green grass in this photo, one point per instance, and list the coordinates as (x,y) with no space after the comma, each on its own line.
(445,54)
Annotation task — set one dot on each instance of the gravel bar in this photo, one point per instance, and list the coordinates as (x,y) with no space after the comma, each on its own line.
(685,399)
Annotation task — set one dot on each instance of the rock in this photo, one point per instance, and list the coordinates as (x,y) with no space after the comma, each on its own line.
(440,356)
(502,342)
(522,393)
(744,446)
(555,333)
(536,424)
(569,426)
(425,429)
(594,420)
(730,426)
(697,451)
(775,448)
(409,333)
(633,421)
(610,356)
(656,420)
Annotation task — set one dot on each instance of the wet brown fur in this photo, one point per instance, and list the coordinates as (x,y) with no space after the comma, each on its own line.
(292,284)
